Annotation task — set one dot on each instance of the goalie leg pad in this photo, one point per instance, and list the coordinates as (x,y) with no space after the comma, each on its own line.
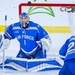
(38,54)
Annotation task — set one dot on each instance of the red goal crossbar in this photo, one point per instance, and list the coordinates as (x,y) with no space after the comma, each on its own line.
(42,4)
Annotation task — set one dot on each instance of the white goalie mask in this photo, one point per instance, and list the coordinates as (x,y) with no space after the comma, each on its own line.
(24,20)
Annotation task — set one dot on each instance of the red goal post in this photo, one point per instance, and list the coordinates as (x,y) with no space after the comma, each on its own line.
(43,4)
(62,8)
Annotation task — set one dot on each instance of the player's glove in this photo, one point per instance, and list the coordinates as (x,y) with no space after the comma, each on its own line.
(46,43)
(4,43)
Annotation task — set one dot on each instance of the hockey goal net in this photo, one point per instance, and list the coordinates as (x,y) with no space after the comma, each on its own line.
(56,19)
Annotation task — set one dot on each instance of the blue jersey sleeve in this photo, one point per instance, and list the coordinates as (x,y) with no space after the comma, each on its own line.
(41,33)
(63,49)
(9,33)
(68,49)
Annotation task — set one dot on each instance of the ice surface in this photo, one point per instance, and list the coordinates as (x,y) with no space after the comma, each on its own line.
(9,72)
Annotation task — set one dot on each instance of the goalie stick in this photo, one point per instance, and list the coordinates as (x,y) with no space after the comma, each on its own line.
(4,50)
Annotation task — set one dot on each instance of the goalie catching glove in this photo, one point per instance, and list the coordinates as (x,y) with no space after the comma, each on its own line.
(4,43)
(45,43)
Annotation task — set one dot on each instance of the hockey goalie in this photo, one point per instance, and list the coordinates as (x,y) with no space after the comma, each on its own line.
(34,43)
(32,37)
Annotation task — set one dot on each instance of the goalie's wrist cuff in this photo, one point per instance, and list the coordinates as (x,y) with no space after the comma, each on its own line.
(39,43)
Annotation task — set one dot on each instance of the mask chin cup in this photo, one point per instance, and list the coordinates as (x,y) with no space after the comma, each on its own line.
(24,24)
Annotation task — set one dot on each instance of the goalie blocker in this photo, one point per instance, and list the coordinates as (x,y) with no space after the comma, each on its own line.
(4,43)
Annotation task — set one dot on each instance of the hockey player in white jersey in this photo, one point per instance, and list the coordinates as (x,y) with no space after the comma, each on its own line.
(32,37)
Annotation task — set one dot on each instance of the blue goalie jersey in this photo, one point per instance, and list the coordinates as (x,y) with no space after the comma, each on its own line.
(68,49)
(26,37)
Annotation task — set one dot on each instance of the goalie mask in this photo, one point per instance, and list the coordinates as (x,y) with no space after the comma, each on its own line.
(24,20)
